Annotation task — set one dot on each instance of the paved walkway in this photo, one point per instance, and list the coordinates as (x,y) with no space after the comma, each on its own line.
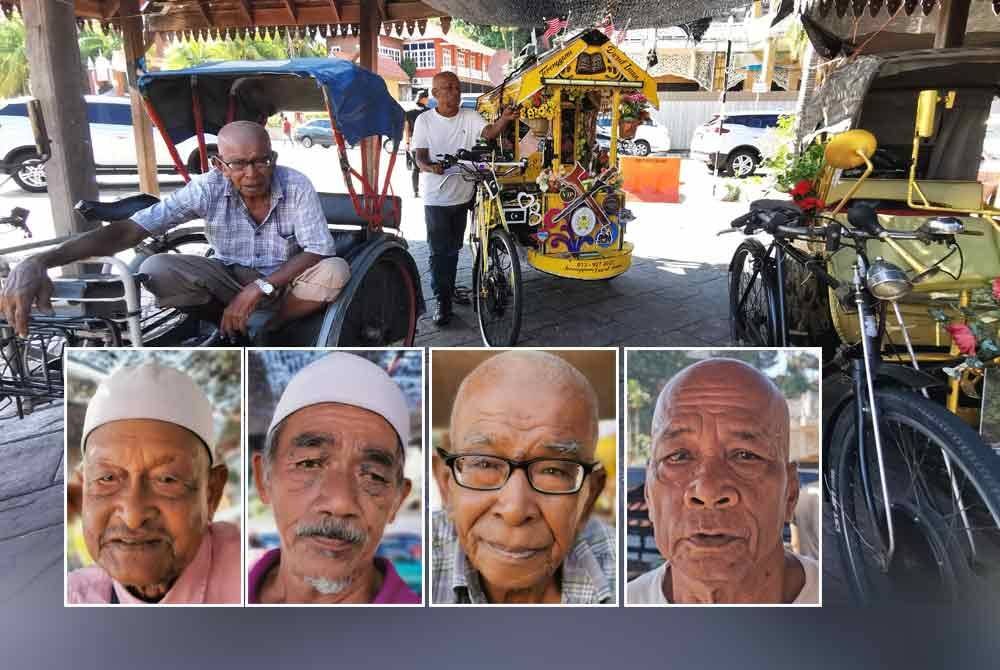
(31,508)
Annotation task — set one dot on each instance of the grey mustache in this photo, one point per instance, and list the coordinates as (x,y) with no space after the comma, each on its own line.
(332,528)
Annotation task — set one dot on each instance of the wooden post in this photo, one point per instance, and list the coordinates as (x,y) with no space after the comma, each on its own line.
(952,22)
(368,58)
(767,67)
(54,59)
(134,42)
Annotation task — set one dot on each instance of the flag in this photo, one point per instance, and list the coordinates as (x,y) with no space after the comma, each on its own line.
(552,28)
(607,25)
(621,33)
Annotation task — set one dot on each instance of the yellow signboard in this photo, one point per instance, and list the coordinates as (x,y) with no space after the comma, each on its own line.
(604,266)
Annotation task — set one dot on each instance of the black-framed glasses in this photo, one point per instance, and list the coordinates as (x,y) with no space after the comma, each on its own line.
(240,165)
(486,472)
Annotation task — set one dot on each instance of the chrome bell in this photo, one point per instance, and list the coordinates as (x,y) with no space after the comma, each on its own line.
(887,281)
(943,225)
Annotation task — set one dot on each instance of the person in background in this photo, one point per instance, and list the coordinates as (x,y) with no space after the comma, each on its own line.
(411,119)
(286,129)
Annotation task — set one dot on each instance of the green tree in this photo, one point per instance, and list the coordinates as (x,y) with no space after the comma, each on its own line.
(13,58)
(511,39)
(94,43)
(409,66)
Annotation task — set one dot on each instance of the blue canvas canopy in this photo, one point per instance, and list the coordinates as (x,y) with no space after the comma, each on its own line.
(359,100)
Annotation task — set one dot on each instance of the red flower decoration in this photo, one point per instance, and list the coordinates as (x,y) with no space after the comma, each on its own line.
(802,189)
(996,289)
(811,204)
(963,338)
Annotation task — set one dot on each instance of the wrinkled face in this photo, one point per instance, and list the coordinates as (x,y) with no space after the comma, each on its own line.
(148,499)
(719,485)
(251,181)
(516,537)
(448,93)
(334,484)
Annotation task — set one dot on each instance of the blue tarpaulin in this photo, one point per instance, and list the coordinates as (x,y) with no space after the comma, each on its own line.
(360,102)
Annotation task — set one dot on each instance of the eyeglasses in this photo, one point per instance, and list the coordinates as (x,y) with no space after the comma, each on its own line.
(484,472)
(240,165)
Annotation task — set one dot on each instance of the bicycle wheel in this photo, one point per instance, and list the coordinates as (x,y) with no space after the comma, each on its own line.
(752,312)
(383,310)
(497,290)
(945,550)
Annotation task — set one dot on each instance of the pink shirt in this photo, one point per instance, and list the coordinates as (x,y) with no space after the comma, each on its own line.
(394,590)
(212,577)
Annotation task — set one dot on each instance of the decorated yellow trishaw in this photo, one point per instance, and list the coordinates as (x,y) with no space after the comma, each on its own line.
(550,187)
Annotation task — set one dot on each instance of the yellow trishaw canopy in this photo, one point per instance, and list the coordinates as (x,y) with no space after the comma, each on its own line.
(589,59)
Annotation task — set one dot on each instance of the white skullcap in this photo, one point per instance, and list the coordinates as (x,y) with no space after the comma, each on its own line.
(151,391)
(349,380)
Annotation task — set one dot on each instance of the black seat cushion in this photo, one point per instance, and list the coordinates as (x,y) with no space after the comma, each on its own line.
(118,210)
(338,208)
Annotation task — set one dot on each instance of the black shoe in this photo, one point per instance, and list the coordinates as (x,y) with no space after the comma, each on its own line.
(460,296)
(443,314)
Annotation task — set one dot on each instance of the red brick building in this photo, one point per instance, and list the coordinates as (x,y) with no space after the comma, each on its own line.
(434,52)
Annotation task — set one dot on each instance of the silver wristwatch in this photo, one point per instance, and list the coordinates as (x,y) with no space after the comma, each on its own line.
(265,286)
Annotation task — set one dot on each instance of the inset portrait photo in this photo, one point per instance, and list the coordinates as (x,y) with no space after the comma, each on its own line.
(153,470)
(723,493)
(524,465)
(335,514)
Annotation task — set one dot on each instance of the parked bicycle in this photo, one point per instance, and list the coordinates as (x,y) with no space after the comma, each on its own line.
(915,492)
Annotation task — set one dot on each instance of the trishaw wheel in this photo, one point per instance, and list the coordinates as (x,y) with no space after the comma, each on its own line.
(752,313)
(383,310)
(497,290)
(947,534)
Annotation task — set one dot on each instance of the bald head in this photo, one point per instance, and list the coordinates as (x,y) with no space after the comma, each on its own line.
(238,136)
(725,386)
(447,91)
(527,375)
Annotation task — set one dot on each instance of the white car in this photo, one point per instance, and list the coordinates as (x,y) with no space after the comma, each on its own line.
(649,137)
(733,143)
(110,135)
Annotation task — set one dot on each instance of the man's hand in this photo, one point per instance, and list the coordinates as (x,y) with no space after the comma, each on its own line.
(27,284)
(436,168)
(509,113)
(238,311)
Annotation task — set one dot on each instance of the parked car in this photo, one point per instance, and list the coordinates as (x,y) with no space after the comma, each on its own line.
(733,143)
(649,136)
(317,131)
(111,137)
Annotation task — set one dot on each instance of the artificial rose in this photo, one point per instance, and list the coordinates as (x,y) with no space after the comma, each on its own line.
(802,189)
(811,204)
(963,338)
(996,289)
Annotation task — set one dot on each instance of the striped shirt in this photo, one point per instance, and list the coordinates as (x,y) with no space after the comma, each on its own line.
(294,223)
(588,571)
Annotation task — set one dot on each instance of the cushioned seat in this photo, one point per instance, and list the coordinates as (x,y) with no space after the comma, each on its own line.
(338,208)
(117,210)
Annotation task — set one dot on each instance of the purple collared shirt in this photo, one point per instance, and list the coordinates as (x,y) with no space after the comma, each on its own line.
(394,590)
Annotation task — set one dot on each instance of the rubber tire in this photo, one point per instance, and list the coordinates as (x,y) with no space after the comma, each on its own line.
(968,454)
(20,157)
(731,159)
(500,236)
(754,249)
(356,311)
(642,148)
(307,141)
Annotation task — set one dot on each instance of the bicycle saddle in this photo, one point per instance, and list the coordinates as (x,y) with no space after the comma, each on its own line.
(95,210)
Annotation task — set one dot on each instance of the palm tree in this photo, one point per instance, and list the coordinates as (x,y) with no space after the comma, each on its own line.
(13,58)
(95,43)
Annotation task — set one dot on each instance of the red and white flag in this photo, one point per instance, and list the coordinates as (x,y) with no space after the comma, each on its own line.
(607,25)
(553,27)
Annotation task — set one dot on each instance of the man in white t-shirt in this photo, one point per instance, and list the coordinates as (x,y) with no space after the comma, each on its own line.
(444,130)
(720,488)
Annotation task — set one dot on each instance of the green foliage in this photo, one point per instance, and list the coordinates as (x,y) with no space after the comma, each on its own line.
(409,66)
(13,58)
(188,54)
(494,37)
(94,43)
(788,167)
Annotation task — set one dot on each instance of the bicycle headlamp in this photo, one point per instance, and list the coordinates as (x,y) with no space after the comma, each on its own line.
(887,281)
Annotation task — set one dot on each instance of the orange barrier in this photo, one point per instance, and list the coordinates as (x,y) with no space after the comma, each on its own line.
(652,178)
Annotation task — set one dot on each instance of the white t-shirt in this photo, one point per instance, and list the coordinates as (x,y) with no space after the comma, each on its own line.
(647,589)
(446,135)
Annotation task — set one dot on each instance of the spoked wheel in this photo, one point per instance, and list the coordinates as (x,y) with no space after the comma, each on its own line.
(947,535)
(497,290)
(383,310)
(752,310)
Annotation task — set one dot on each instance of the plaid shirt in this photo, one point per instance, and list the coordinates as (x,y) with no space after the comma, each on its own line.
(294,223)
(588,571)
